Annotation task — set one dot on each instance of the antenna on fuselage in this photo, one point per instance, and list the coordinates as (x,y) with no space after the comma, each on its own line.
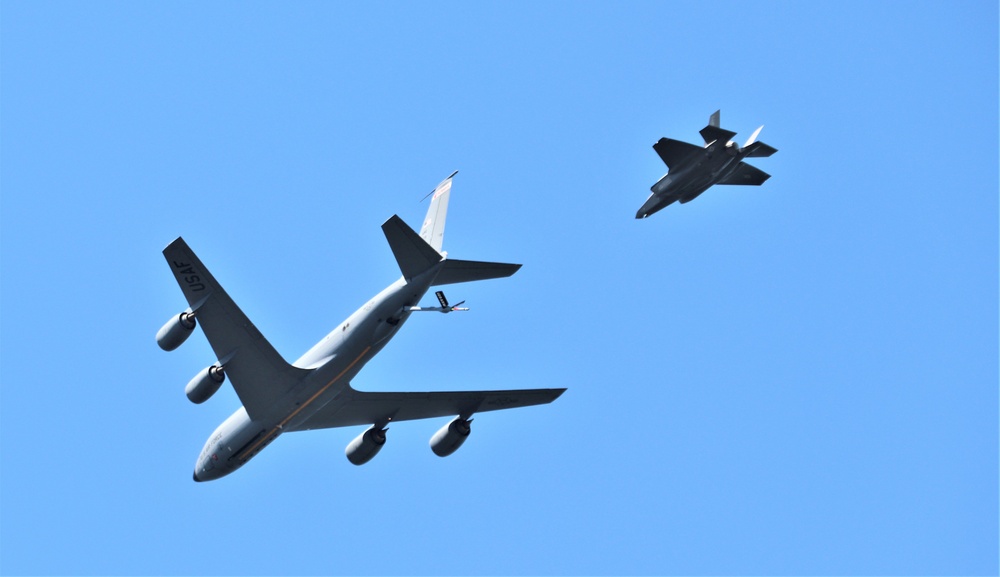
(435,189)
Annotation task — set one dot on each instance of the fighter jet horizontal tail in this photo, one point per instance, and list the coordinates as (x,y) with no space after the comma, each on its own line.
(759,150)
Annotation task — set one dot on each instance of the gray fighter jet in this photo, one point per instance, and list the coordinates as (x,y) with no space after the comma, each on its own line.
(692,169)
(315,391)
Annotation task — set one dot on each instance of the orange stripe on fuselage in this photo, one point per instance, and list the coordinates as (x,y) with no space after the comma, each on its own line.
(281,425)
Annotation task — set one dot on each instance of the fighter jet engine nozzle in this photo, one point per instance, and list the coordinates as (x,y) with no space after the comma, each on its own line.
(365,446)
(732,148)
(450,437)
(175,331)
(205,384)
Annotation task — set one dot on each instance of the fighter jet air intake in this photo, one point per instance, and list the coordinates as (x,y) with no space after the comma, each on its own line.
(315,391)
(692,169)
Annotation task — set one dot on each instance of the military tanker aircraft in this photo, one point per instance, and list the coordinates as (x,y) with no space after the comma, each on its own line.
(692,169)
(315,391)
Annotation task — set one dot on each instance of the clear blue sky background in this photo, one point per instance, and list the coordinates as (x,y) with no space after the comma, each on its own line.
(800,378)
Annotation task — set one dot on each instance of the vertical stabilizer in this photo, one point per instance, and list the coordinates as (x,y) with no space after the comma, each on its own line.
(417,254)
(432,230)
(753,137)
(712,132)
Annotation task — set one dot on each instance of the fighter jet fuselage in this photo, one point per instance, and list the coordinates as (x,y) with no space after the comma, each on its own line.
(694,178)
(693,169)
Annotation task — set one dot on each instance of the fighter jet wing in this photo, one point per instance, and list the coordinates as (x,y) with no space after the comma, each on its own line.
(746,174)
(354,407)
(673,152)
(258,373)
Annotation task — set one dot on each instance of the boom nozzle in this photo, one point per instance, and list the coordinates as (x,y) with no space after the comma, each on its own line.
(444,308)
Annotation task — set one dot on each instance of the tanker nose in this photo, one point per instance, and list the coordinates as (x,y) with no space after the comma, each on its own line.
(196,479)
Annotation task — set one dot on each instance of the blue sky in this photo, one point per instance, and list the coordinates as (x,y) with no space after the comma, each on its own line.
(800,378)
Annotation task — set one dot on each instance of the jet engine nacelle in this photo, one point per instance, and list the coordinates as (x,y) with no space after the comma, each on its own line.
(365,446)
(205,384)
(732,148)
(173,334)
(451,436)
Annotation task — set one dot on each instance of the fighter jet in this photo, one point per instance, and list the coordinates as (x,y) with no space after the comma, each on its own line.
(315,391)
(692,169)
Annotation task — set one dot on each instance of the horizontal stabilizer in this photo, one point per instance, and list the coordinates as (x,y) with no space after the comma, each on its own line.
(673,152)
(746,174)
(714,133)
(456,271)
(759,150)
(412,253)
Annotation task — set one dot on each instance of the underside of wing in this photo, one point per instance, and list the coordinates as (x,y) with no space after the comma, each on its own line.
(363,408)
(258,373)
(746,174)
(673,152)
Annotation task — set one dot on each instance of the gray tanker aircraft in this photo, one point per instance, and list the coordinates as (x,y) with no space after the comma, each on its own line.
(315,391)
(692,169)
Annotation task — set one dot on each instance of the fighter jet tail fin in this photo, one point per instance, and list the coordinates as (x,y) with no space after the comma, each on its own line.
(713,132)
(753,148)
(753,137)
